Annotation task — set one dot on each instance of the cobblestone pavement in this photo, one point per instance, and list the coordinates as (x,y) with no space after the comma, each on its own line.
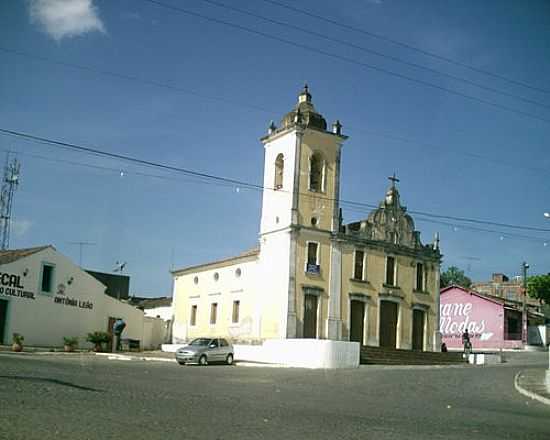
(91,397)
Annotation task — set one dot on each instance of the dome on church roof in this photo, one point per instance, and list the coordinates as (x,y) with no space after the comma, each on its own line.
(304,113)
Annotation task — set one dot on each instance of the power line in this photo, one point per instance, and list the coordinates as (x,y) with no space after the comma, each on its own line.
(377,53)
(476,229)
(240,183)
(457,227)
(348,60)
(438,148)
(119,170)
(122,76)
(95,151)
(407,46)
(132,78)
(347,205)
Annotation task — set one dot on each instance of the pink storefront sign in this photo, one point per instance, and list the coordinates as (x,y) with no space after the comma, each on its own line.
(461,309)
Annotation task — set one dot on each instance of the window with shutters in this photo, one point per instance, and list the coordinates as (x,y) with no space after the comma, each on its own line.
(213,313)
(390,271)
(235,315)
(419,277)
(359,266)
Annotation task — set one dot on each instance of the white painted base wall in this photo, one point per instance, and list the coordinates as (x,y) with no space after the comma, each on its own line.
(302,353)
(171,348)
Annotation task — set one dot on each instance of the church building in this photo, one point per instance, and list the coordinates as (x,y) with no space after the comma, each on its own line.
(311,276)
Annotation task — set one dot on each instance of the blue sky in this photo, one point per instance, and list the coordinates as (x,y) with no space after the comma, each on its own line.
(461,158)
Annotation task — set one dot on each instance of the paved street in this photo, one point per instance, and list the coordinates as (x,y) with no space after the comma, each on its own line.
(88,397)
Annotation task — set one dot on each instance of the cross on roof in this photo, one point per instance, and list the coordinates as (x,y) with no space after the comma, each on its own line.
(393,179)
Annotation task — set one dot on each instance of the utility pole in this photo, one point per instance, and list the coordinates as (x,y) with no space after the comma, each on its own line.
(9,185)
(524,324)
(81,244)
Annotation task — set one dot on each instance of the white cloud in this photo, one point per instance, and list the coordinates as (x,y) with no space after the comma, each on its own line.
(20,227)
(65,18)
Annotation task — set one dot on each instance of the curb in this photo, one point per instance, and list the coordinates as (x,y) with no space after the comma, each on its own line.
(122,357)
(43,353)
(528,393)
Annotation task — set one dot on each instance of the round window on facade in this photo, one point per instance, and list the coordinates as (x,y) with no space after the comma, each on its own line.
(314,221)
(196,280)
(238,272)
(216,276)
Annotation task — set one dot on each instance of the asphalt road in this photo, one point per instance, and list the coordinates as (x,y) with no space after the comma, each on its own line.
(88,397)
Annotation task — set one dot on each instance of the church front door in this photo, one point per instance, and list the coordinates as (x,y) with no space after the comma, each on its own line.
(388,324)
(357,321)
(310,316)
(418,330)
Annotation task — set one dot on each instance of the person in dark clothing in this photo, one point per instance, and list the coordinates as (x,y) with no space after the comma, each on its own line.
(443,347)
(466,341)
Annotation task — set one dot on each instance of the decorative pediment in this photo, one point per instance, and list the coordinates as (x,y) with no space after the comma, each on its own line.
(389,224)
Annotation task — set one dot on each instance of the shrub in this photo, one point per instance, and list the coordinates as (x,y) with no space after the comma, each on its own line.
(98,337)
(18,338)
(70,341)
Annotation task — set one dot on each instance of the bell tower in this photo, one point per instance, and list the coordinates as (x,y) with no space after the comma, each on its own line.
(302,170)
(300,203)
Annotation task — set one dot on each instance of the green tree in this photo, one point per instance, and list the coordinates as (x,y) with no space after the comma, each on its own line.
(538,286)
(454,276)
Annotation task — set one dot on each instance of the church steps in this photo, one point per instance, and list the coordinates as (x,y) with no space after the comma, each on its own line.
(388,356)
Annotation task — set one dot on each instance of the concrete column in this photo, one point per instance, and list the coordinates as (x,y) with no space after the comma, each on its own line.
(291,307)
(297,173)
(336,210)
(437,332)
(335,294)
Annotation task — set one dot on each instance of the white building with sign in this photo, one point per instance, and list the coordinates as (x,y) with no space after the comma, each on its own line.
(45,297)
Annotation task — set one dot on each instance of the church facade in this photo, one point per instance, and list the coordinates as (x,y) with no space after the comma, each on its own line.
(371,281)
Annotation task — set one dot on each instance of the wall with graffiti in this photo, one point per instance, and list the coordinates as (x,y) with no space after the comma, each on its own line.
(484,318)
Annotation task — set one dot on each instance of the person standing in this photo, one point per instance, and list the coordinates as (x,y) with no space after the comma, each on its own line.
(118,327)
(466,342)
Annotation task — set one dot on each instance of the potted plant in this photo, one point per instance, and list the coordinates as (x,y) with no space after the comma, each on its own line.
(17,342)
(70,343)
(98,338)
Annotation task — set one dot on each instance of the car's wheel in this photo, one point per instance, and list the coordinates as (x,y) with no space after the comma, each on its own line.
(229,359)
(202,360)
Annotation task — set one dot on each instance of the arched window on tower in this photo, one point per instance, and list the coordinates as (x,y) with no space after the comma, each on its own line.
(279,170)
(316,172)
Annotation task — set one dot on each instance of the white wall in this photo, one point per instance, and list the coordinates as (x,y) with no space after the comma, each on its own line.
(43,321)
(278,203)
(223,291)
(164,312)
(274,275)
(302,353)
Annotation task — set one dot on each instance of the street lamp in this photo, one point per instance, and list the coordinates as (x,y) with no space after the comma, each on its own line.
(524,267)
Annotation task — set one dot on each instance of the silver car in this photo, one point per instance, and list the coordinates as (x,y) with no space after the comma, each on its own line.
(204,350)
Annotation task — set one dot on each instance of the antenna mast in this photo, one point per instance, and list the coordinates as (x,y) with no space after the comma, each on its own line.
(9,185)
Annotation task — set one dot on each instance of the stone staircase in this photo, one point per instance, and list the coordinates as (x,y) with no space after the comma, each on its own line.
(392,356)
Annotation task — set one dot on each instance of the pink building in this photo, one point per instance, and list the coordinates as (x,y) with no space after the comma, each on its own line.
(490,323)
